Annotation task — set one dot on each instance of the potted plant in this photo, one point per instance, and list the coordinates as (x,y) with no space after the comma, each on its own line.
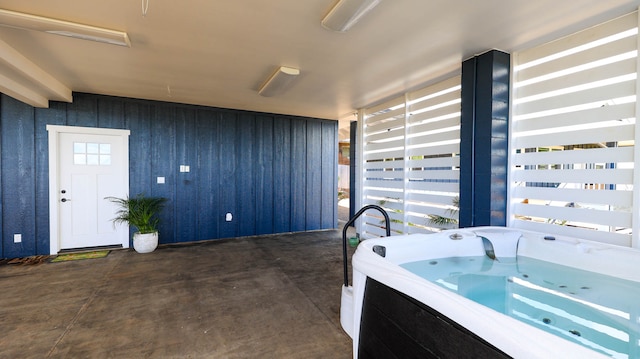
(140,212)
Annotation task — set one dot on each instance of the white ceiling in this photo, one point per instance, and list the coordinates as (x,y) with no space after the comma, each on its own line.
(217,52)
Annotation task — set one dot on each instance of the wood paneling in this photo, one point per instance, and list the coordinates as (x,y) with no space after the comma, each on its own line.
(186,189)
(247,208)
(227,166)
(163,164)
(83,112)
(313,173)
(329,176)
(208,174)
(298,190)
(264,175)
(282,176)
(56,114)
(138,121)
(18,177)
(274,173)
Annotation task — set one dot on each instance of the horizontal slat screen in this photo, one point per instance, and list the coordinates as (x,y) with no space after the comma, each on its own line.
(580,176)
(383,169)
(573,134)
(563,195)
(433,156)
(411,160)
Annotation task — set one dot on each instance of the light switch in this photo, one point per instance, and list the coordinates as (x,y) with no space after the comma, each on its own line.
(160,180)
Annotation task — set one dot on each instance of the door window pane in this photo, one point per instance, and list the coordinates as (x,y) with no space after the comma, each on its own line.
(93,154)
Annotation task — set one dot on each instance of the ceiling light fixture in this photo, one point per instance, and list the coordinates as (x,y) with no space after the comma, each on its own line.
(64,28)
(279,81)
(346,13)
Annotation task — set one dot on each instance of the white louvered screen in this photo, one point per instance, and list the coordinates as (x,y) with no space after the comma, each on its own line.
(411,148)
(573,131)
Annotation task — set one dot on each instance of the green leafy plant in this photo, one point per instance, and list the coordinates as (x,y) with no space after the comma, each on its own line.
(140,212)
(442,220)
(382,203)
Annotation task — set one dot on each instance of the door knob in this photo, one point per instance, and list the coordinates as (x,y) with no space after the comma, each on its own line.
(65,199)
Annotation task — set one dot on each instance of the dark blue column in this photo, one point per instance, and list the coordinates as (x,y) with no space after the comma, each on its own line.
(353,130)
(484,140)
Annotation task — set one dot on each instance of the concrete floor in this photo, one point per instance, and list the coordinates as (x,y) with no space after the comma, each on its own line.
(256,297)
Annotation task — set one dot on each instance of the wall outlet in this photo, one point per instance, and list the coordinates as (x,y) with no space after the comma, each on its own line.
(17,238)
(160,180)
(228,217)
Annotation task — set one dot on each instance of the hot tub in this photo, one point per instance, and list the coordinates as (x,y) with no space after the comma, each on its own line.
(492,292)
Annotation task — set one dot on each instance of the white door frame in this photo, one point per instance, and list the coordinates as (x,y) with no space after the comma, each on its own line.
(54,177)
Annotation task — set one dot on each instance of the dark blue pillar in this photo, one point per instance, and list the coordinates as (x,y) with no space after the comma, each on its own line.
(352,167)
(484,140)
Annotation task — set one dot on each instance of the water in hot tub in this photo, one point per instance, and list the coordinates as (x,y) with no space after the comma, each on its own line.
(595,310)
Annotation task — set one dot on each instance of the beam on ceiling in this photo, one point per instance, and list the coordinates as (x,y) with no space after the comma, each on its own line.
(22,93)
(39,81)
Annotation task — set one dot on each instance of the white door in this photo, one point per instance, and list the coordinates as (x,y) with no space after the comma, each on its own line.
(91,164)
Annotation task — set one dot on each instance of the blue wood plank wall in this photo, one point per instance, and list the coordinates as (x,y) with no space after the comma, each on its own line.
(273,173)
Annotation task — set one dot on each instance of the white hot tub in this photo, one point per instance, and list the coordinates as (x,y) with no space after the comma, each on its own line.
(493,292)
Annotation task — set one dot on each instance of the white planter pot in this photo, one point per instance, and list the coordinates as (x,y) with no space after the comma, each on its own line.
(145,243)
